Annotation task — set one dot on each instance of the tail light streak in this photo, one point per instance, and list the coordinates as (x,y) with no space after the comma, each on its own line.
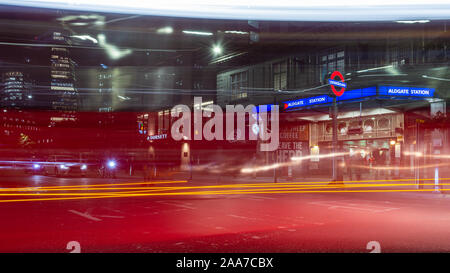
(114,191)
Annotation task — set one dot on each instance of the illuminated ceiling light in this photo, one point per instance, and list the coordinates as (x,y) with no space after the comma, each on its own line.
(413,21)
(217,50)
(112,51)
(236,32)
(74,20)
(228,57)
(201,33)
(123,98)
(165,30)
(85,37)
(78,17)
(79,24)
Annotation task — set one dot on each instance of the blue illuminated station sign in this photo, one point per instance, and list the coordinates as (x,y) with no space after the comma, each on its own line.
(405,91)
(307,101)
(383,91)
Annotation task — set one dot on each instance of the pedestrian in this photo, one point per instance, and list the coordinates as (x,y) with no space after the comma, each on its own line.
(376,162)
(348,165)
(358,164)
(145,171)
(254,165)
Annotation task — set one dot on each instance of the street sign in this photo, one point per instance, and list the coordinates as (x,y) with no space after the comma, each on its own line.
(307,101)
(340,83)
(324,99)
(399,91)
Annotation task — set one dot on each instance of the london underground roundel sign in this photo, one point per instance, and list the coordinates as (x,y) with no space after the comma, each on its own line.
(334,83)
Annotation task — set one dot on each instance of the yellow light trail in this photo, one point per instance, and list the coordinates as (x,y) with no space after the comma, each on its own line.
(277,185)
(261,184)
(264,184)
(96,185)
(429,166)
(286,187)
(282,188)
(221,193)
(191,187)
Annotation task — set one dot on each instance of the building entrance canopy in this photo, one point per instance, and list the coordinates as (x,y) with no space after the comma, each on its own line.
(377,92)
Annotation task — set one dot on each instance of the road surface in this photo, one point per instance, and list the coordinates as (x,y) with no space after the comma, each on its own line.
(101,215)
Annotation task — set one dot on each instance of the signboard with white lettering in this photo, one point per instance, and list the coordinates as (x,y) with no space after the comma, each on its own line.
(334,83)
(405,91)
(155,137)
(293,141)
(348,95)
(391,91)
(307,101)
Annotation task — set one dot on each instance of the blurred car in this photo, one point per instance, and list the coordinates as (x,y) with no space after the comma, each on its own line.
(58,165)
(33,167)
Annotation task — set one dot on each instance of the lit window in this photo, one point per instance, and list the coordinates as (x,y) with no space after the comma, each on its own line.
(238,82)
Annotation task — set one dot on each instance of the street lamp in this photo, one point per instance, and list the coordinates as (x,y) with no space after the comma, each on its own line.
(217,50)
(112,164)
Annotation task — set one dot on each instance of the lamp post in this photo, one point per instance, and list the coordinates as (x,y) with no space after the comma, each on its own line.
(275,178)
(334,141)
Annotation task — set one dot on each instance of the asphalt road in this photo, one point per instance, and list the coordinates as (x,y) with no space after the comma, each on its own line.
(97,215)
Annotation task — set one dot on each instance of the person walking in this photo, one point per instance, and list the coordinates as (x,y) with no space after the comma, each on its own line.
(376,163)
(358,164)
(348,165)
(145,171)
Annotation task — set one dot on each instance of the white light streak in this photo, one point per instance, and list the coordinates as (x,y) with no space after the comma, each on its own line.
(201,33)
(375,68)
(236,32)
(85,37)
(165,30)
(435,78)
(420,11)
(112,51)
(413,22)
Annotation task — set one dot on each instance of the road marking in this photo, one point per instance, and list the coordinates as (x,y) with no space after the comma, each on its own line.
(353,206)
(176,205)
(237,216)
(113,210)
(244,217)
(110,216)
(264,197)
(256,199)
(86,215)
